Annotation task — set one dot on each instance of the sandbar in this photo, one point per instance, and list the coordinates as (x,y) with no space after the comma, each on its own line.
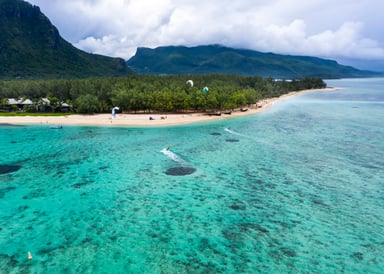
(143,120)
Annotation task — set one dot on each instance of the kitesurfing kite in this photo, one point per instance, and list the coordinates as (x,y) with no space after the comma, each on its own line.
(114,111)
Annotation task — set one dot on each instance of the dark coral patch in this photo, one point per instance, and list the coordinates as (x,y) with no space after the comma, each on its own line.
(288,252)
(180,171)
(4,191)
(9,125)
(232,140)
(358,256)
(4,169)
(79,185)
(238,207)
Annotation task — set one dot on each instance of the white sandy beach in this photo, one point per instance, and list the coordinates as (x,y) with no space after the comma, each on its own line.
(142,119)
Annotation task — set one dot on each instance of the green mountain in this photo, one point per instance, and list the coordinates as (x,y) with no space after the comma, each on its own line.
(224,60)
(31,47)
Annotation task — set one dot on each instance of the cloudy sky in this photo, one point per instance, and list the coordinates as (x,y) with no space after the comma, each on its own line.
(343,29)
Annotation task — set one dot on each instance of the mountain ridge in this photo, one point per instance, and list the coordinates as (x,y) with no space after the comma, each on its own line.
(225,60)
(32,48)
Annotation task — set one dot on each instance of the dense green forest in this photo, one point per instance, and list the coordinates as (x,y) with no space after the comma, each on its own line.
(211,59)
(147,93)
(32,48)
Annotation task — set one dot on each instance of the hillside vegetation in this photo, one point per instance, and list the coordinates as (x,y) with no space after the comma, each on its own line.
(31,47)
(224,60)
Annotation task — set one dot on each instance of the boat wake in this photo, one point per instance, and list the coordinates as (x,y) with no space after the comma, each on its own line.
(174,157)
(237,133)
(184,167)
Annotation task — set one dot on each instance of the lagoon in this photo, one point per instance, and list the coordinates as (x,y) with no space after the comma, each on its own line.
(295,188)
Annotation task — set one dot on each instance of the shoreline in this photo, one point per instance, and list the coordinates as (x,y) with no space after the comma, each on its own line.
(142,120)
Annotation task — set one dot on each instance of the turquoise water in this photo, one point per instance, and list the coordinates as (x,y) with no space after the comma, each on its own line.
(298,188)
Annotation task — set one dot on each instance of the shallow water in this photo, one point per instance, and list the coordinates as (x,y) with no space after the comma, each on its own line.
(297,188)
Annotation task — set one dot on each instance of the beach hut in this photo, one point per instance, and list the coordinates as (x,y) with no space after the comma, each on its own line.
(26,102)
(65,107)
(20,103)
(13,101)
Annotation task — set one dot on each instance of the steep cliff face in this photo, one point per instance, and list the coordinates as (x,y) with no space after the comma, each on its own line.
(31,47)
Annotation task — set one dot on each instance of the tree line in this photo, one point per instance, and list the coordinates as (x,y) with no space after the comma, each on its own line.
(150,93)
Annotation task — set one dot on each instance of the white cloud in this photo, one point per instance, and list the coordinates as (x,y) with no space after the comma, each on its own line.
(347,41)
(107,45)
(319,27)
